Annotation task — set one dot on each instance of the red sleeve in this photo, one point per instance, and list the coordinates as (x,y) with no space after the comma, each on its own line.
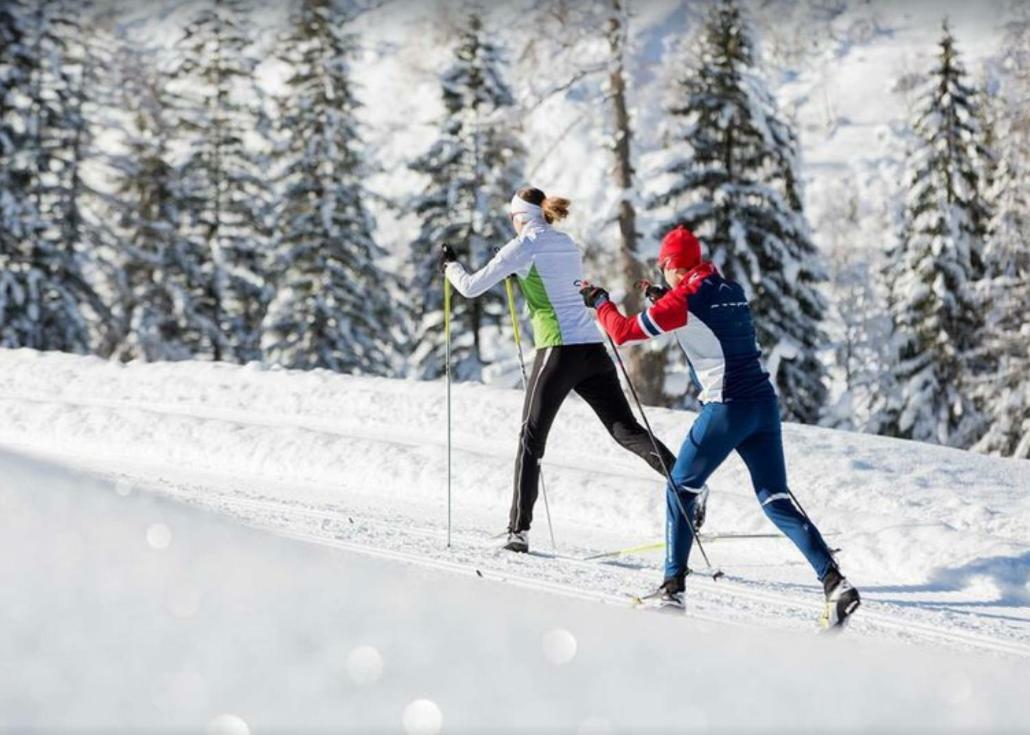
(621,329)
(668,314)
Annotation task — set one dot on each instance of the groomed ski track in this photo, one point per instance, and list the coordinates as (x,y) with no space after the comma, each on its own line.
(135,440)
(471,555)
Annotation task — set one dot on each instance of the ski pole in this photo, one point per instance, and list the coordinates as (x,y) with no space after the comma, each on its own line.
(654,443)
(525,388)
(447,369)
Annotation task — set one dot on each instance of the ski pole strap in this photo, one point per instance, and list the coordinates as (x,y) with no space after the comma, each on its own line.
(511,308)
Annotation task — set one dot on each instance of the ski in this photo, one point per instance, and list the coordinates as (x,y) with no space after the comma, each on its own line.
(646,602)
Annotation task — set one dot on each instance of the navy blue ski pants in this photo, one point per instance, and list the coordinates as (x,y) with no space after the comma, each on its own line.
(752,428)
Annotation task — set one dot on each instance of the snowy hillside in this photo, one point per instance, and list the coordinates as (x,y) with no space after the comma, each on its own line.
(937,540)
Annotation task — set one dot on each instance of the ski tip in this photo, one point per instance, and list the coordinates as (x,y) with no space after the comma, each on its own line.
(479,573)
(718,573)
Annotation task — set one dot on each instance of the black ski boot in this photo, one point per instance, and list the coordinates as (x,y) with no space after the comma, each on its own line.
(668,595)
(518,541)
(841,600)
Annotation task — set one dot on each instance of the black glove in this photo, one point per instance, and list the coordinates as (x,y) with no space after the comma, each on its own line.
(446,256)
(593,296)
(651,291)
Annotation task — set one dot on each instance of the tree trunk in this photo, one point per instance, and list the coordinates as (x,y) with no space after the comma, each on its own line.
(646,367)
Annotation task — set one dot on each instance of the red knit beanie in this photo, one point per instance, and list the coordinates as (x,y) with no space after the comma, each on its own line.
(680,249)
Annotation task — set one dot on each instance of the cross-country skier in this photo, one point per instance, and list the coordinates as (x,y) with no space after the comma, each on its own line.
(710,317)
(570,354)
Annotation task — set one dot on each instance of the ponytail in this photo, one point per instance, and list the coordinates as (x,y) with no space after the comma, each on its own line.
(555,208)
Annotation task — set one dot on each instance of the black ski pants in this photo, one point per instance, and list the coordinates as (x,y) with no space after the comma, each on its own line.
(588,370)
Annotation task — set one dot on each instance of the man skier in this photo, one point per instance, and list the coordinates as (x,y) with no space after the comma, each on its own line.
(570,354)
(711,319)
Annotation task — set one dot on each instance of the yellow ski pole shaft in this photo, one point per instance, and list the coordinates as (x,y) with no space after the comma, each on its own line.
(447,369)
(525,387)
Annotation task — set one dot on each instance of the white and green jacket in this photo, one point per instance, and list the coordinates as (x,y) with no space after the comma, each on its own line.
(549,268)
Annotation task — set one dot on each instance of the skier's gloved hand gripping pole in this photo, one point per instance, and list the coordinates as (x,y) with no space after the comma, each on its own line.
(525,387)
(595,296)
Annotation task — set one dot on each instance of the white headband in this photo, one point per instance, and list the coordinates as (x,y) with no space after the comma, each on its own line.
(521,206)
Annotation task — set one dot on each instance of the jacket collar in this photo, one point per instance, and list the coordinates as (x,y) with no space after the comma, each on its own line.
(692,281)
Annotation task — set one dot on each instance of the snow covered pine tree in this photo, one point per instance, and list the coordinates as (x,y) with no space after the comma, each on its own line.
(931,274)
(1003,391)
(16,65)
(735,181)
(165,308)
(226,197)
(332,308)
(46,299)
(472,168)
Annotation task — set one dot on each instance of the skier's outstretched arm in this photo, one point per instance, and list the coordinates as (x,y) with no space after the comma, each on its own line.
(514,257)
(667,314)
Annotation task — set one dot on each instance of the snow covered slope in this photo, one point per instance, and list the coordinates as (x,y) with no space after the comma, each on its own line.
(936,538)
(126,611)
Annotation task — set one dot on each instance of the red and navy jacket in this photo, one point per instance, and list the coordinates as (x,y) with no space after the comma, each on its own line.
(711,319)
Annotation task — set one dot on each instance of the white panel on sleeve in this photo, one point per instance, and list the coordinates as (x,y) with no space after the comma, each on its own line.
(515,257)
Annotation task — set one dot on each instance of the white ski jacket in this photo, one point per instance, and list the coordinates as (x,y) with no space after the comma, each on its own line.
(550,270)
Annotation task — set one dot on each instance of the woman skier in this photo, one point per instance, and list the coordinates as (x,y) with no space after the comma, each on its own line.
(711,319)
(570,354)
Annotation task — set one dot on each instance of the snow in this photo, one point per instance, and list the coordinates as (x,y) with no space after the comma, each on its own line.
(127,603)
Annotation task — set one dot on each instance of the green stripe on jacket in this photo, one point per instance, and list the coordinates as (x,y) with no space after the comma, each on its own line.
(546,330)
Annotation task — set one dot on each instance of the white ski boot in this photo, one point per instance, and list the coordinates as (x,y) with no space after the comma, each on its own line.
(518,541)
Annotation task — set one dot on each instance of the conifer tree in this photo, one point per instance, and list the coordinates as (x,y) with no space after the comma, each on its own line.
(735,181)
(166,311)
(333,308)
(931,274)
(1003,390)
(46,299)
(16,65)
(472,171)
(227,203)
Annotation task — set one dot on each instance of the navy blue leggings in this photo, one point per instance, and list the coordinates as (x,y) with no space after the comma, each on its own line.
(752,428)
